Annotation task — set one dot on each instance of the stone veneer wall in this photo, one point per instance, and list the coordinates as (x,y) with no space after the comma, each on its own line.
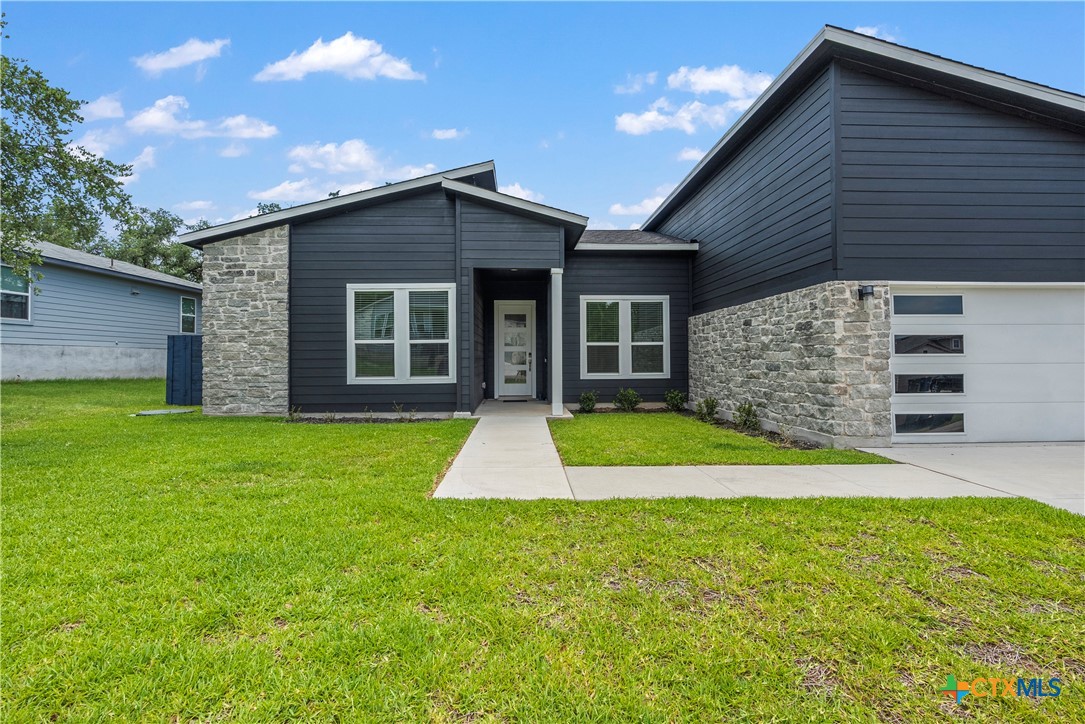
(246,324)
(815,361)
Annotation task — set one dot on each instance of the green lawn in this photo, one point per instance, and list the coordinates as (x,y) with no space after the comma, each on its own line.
(666,438)
(181,568)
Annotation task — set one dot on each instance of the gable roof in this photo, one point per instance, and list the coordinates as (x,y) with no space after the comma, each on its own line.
(63,256)
(481,175)
(978,85)
(574,224)
(631,240)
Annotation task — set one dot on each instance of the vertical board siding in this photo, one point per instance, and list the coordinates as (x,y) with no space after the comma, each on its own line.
(763,220)
(401,241)
(505,290)
(496,239)
(625,273)
(937,189)
(82,308)
(184,369)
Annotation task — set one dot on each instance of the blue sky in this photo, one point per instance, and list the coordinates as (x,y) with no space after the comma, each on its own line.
(595,108)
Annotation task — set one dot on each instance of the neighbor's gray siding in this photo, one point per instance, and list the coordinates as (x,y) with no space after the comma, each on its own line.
(763,220)
(402,241)
(83,309)
(495,239)
(626,273)
(934,188)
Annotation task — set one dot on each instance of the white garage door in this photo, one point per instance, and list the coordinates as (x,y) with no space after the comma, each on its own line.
(988,363)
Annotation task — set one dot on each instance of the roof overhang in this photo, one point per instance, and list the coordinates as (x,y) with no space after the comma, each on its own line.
(977,85)
(482,174)
(574,224)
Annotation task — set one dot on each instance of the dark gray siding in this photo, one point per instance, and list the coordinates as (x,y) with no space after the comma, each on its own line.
(934,188)
(764,219)
(627,273)
(532,289)
(478,320)
(495,239)
(409,240)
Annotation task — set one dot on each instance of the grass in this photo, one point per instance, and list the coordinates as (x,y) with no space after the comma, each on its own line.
(666,438)
(182,568)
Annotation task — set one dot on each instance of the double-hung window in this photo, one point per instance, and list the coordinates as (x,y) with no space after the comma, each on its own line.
(14,296)
(188,315)
(626,336)
(401,333)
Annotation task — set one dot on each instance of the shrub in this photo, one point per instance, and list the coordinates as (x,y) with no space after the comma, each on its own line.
(626,400)
(746,417)
(676,400)
(587,401)
(706,409)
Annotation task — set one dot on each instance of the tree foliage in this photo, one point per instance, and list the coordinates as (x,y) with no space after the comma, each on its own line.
(148,238)
(40,171)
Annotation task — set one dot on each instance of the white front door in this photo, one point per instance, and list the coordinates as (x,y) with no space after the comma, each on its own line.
(514,343)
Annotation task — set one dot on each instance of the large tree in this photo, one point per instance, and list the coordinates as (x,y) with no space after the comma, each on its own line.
(149,238)
(41,170)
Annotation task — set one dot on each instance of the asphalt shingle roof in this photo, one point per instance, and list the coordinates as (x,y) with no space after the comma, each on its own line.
(93,261)
(628,236)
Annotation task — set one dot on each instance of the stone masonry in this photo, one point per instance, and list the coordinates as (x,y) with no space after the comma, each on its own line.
(814,362)
(245,324)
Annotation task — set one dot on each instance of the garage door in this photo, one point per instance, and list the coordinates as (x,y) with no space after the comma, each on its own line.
(988,364)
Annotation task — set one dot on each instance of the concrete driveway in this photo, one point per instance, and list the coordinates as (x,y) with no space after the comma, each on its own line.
(1053,473)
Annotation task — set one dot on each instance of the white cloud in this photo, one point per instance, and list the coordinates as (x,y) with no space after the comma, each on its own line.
(520,192)
(243,215)
(145,160)
(643,207)
(104,107)
(345,157)
(189,52)
(234,150)
(876,31)
(164,117)
(198,205)
(601,226)
(636,83)
(634,227)
(303,190)
(448,134)
(690,154)
(349,56)
(661,115)
(729,79)
(98,141)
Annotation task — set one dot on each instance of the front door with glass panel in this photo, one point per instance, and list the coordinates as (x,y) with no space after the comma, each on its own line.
(514,342)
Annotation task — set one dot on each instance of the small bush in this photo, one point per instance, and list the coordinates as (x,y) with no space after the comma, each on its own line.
(588,400)
(626,400)
(707,408)
(746,417)
(676,400)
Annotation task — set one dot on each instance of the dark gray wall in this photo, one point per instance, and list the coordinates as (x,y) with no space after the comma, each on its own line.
(536,290)
(408,240)
(934,188)
(625,273)
(764,219)
(496,239)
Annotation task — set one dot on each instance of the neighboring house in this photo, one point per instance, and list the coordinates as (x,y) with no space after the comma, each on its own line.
(89,316)
(887,246)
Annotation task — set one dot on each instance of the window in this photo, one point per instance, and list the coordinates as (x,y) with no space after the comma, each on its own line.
(400,333)
(188,315)
(928,344)
(930,422)
(624,336)
(14,296)
(924,384)
(928,304)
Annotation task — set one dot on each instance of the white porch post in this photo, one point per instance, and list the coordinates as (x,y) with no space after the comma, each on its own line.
(556,389)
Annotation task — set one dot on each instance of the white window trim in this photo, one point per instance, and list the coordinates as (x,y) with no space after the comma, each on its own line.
(195,315)
(29,294)
(625,334)
(401,340)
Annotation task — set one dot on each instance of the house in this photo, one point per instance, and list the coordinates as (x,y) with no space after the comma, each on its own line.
(89,316)
(888,246)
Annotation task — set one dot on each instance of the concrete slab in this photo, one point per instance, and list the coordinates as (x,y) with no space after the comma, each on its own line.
(602,483)
(776,481)
(508,483)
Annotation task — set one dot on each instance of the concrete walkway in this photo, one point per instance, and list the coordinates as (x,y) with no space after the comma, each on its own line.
(513,456)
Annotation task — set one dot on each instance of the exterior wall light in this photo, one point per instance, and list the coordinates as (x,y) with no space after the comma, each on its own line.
(866,292)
